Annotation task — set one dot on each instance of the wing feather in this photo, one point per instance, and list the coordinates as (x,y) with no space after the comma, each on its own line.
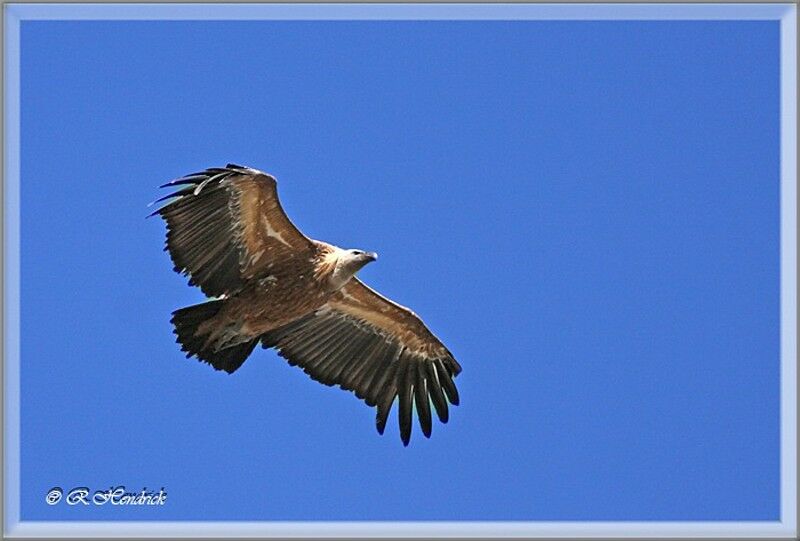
(387,393)
(383,374)
(360,363)
(436,394)
(422,401)
(405,377)
(379,362)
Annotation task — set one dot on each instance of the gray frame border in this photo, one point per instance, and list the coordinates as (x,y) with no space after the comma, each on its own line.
(785,13)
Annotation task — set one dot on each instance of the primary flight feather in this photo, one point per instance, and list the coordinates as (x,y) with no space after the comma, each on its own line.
(227,232)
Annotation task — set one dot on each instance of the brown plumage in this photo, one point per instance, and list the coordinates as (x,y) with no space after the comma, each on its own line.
(227,232)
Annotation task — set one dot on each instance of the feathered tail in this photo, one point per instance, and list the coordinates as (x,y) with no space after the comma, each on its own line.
(187,322)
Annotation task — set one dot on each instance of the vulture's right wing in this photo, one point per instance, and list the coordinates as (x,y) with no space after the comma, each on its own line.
(382,351)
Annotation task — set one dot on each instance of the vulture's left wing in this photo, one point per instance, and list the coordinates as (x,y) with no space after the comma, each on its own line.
(225,226)
(368,344)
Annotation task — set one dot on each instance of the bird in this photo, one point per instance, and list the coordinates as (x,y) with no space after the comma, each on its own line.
(267,283)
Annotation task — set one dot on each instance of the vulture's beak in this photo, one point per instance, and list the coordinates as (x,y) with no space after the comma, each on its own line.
(372,256)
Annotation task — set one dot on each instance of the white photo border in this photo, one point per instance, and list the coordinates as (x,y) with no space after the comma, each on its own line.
(786,13)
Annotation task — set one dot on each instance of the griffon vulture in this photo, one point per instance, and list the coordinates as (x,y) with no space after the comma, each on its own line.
(227,232)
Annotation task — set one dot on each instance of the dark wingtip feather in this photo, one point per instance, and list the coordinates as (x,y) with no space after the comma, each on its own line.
(453,365)
(380,419)
(384,406)
(437,397)
(446,382)
(188,179)
(405,379)
(176,196)
(423,402)
(453,396)
(194,182)
(211,178)
(386,395)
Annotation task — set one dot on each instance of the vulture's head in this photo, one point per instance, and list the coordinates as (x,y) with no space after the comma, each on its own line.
(355,259)
(348,263)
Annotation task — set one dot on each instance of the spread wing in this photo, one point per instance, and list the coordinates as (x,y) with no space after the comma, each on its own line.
(226,226)
(368,344)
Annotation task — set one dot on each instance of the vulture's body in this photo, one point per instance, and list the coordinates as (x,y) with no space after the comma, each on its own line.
(227,231)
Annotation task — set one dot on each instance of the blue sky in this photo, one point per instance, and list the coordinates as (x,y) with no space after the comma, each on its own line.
(585,212)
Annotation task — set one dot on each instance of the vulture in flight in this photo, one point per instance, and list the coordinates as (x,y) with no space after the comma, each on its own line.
(271,284)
